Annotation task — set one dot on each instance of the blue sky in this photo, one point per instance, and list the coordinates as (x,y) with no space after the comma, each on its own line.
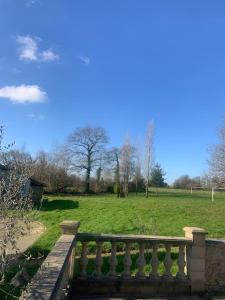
(115,64)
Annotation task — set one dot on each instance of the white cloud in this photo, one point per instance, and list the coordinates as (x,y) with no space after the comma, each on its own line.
(85,60)
(36,117)
(48,55)
(23,94)
(28,50)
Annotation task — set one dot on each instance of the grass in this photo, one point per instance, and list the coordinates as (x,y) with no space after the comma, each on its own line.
(165,212)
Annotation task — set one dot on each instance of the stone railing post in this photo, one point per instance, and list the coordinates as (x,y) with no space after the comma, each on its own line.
(70,228)
(195,258)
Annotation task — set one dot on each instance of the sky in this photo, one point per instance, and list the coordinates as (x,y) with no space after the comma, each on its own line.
(116,64)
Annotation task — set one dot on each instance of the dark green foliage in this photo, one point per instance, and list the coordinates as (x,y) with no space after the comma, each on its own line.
(157,176)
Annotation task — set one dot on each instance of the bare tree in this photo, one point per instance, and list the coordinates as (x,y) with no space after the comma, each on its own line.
(98,178)
(42,166)
(14,204)
(137,172)
(51,169)
(217,160)
(14,155)
(148,155)
(126,166)
(113,158)
(85,147)
(186,182)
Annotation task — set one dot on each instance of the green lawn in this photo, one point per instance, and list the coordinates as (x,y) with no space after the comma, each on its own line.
(165,212)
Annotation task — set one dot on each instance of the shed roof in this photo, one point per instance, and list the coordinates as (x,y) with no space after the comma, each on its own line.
(35,182)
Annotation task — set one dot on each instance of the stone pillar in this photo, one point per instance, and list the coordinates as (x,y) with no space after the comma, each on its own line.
(195,258)
(70,228)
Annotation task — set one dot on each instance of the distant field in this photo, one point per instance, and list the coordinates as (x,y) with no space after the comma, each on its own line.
(165,212)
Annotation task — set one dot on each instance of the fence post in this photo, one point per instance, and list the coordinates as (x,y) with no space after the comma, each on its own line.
(195,258)
(70,228)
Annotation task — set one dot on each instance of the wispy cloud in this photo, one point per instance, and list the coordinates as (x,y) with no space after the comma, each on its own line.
(36,117)
(23,94)
(48,55)
(30,3)
(29,50)
(85,60)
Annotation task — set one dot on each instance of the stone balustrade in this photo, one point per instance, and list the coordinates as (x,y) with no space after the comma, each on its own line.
(147,263)
(147,245)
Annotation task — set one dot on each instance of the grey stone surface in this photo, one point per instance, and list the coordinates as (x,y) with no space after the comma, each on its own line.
(215,264)
(121,287)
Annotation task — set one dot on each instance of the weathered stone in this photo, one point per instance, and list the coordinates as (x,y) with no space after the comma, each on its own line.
(69,227)
(129,288)
(52,279)
(196,258)
(215,264)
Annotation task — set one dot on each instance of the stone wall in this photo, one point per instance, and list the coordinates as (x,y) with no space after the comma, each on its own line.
(215,265)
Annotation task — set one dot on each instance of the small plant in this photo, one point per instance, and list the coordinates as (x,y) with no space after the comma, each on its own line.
(142,227)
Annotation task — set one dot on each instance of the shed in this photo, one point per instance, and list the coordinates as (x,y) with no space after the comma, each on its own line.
(32,185)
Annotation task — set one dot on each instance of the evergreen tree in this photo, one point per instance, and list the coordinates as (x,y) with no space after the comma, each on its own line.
(157,176)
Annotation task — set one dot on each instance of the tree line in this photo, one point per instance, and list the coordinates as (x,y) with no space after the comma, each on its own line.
(85,164)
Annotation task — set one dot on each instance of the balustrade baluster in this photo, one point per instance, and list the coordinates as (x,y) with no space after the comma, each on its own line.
(83,259)
(113,261)
(154,263)
(181,263)
(98,260)
(168,262)
(141,261)
(127,262)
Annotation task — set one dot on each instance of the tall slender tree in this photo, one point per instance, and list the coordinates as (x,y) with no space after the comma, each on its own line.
(127,165)
(217,160)
(137,171)
(113,159)
(148,155)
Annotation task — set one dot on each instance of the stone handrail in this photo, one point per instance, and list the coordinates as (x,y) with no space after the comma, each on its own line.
(153,239)
(53,279)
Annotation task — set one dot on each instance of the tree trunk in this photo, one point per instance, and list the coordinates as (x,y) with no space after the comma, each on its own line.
(136,188)
(118,178)
(146,190)
(87,182)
